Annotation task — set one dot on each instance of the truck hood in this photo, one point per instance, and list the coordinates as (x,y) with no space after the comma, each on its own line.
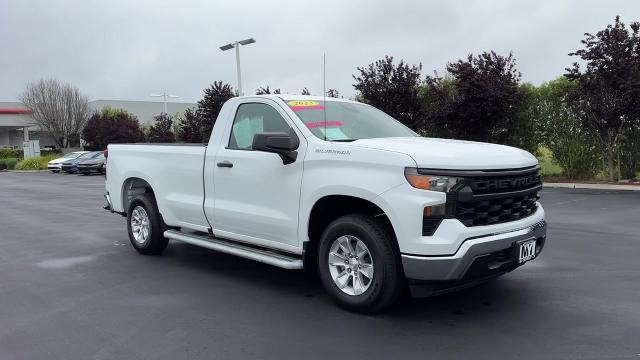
(435,153)
(58,161)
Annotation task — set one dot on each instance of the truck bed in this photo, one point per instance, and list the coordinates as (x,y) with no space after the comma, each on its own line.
(174,171)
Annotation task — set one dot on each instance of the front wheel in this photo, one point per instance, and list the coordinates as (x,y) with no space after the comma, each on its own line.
(359,265)
(145,225)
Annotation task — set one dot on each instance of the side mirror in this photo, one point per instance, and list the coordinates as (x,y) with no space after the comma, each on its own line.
(279,143)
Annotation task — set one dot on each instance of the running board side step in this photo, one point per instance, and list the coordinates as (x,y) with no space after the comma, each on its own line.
(233,248)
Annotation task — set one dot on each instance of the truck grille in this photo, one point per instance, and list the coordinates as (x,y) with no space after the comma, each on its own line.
(489,212)
(495,197)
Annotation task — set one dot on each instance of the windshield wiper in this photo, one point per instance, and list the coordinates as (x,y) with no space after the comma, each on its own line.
(344,140)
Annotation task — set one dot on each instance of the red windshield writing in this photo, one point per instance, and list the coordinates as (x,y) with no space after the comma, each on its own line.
(316,124)
(312,107)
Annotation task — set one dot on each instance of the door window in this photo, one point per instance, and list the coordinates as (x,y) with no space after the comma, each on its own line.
(253,118)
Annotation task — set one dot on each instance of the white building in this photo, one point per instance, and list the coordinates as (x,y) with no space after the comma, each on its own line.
(17,124)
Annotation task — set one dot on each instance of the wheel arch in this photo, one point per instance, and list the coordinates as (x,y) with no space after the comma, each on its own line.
(330,207)
(132,187)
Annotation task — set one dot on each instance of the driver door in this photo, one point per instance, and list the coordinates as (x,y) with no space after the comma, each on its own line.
(256,195)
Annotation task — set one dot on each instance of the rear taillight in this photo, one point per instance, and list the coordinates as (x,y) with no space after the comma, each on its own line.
(104,166)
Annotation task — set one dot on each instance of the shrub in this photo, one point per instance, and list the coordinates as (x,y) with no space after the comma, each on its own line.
(57,153)
(601,175)
(29,164)
(10,153)
(111,126)
(18,154)
(160,131)
(8,163)
(561,132)
(191,127)
(35,163)
(548,166)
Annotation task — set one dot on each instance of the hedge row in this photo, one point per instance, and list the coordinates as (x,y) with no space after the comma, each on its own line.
(35,163)
(6,153)
(8,163)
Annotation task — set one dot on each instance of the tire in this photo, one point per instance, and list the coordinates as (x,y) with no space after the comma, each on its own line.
(385,285)
(144,206)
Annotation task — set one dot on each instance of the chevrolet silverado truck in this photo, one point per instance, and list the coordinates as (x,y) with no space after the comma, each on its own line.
(340,188)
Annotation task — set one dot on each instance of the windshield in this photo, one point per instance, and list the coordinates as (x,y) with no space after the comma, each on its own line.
(346,121)
(72,155)
(90,155)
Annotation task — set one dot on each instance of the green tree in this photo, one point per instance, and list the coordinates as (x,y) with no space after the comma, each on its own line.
(478,98)
(209,106)
(162,129)
(111,126)
(333,93)
(191,127)
(437,97)
(558,128)
(629,153)
(525,133)
(266,91)
(607,98)
(392,89)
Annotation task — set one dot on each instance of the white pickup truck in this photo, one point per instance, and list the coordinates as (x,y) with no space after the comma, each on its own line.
(338,187)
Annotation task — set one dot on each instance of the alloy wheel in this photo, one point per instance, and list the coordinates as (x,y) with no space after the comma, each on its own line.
(350,265)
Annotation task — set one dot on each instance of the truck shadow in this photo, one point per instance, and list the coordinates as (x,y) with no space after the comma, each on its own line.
(503,295)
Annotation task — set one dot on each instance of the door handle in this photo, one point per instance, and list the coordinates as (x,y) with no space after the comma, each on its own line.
(226,164)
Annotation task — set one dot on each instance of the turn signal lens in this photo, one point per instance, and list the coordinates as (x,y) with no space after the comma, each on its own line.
(418,181)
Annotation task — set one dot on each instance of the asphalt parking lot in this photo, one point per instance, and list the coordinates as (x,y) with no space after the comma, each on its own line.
(72,287)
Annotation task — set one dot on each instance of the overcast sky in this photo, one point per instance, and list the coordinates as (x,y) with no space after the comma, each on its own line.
(129,49)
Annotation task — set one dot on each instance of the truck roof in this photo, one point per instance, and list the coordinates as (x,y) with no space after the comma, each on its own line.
(287,97)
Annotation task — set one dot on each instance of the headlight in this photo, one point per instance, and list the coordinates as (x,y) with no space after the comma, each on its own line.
(430,182)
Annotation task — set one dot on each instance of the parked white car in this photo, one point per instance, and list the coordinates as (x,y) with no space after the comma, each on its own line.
(55,165)
(340,187)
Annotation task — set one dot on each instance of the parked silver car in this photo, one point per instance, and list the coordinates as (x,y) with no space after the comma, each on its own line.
(55,165)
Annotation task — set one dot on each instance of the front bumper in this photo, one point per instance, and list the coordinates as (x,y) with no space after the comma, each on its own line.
(476,258)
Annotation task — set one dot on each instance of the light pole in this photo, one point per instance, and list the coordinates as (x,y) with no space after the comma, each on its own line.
(164,97)
(237,45)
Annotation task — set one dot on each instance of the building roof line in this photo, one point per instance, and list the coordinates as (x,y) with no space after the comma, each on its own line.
(15,111)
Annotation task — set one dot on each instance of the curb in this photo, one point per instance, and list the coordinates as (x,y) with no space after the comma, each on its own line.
(618,187)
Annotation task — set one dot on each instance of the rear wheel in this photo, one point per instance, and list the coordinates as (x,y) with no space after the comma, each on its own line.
(359,265)
(145,225)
